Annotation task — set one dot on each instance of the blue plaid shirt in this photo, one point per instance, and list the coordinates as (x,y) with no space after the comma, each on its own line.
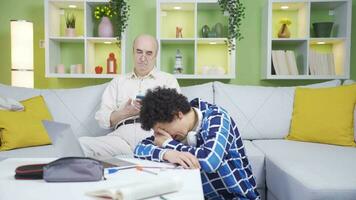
(225,170)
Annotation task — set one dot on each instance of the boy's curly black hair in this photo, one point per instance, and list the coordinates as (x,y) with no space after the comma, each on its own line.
(161,105)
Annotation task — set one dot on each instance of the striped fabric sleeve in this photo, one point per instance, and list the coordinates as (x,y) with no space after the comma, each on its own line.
(148,151)
(217,142)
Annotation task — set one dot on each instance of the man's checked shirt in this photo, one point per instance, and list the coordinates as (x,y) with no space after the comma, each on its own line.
(225,170)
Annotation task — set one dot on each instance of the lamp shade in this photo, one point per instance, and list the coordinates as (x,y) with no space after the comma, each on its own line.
(22,53)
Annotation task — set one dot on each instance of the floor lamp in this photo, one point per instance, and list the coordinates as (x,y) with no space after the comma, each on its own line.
(22,53)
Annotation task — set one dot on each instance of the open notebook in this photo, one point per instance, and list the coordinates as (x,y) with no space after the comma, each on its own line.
(140,189)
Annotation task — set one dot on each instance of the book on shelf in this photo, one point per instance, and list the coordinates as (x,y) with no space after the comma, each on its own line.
(292,63)
(284,62)
(140,189)
(321,63)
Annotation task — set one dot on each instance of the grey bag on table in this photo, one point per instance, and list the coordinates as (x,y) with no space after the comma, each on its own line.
(73,169)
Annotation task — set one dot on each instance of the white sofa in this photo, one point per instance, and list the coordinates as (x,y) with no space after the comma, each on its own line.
(284,170)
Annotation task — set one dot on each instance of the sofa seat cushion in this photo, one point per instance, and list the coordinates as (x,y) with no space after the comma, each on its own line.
(257,161)
(46,151)
(301,170)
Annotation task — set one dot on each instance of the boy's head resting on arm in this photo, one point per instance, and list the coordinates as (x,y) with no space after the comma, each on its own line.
(166,109)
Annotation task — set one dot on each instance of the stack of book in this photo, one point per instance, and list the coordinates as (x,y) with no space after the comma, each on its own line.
(321,63)
(284,63)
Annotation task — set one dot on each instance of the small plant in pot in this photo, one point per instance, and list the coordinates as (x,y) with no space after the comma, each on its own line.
(70,24)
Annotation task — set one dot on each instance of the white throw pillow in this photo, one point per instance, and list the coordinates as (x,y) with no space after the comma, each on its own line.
(260,112)
(349,82)
(203,91)
(10,104)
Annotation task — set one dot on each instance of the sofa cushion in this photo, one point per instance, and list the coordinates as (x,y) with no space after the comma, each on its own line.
(24,128)
(77,107)
(253,107)
(18,93)
(256,159)
(324,115)
(46,151)
(349,82)
(300,170)
(203,91)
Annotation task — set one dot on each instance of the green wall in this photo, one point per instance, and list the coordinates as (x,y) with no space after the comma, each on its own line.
(142,20)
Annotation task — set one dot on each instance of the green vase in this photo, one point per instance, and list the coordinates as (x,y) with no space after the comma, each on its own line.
(219,30)
(205,31)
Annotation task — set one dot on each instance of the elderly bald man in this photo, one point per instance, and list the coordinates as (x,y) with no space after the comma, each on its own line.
(120,105)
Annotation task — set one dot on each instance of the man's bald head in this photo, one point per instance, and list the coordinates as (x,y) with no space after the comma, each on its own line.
(146,38)
(145,48)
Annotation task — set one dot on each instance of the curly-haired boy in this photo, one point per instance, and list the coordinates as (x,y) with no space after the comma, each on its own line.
(197,135)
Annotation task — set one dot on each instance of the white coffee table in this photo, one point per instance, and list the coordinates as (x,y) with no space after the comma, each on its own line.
(39,189)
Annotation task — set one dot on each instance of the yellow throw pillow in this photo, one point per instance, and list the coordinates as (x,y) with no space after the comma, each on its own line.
(24,128)
(324,115)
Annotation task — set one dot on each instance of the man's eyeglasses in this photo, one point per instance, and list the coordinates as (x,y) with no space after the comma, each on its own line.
(149,55)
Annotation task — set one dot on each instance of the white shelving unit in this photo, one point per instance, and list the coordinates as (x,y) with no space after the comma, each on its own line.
(203,58)
(303,42)
(85,48)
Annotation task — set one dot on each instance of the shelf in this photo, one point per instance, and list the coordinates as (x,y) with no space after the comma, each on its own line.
(297,13)
(57,10)
(212,59)
(330,58)
(85,50)
(56,75)
(67,39)
(168,53)
(212,40)
(103,39)
(210,14)
(327,40)
(174,15)
(177,40)
(300,50)
(332,53)
(335,12)
(66,53)
(205,57)
(98,52)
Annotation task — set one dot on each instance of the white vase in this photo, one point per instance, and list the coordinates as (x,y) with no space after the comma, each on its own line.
(105,28)
(70,32)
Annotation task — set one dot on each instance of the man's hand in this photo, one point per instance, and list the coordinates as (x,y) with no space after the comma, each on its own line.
(160,137)
(131,108)
(185,159)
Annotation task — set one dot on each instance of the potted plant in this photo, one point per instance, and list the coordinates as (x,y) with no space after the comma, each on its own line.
(121,10)
(70,24)
(235,10)
(105,28)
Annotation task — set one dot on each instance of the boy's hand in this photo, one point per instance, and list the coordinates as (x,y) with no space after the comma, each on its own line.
(185,159)
(160,137)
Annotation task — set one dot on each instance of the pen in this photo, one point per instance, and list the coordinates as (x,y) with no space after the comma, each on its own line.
(140,168)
